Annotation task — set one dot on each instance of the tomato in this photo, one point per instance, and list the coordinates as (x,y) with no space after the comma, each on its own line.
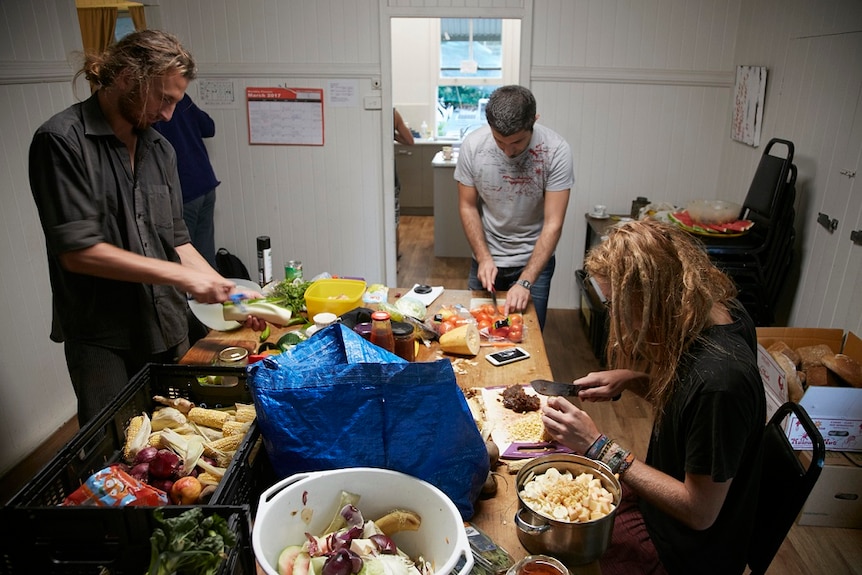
(501,310)
(516,333)
(488,309)
(502,332)
(447,326)
(482,317)
(516,319)
(485,324)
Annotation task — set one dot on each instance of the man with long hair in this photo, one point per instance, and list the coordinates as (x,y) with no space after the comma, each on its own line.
(108,195)
(680,339)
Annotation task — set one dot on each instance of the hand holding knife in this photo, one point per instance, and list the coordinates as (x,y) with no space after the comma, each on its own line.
(546,387)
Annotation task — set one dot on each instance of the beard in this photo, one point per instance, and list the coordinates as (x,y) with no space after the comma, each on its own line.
(132,109)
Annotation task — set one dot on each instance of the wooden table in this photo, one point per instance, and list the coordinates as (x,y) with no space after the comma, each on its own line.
(495,516)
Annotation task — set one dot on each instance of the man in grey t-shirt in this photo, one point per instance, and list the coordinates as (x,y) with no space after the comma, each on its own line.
(514,179)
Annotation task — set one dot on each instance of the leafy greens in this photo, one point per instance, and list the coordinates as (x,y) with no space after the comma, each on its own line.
(189,544)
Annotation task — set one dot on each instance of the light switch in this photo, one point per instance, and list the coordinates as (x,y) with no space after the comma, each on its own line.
(373,102)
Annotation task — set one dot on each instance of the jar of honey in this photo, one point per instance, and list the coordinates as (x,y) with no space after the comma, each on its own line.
(405,340)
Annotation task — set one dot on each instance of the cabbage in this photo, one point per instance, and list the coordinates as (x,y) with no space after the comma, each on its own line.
(412,307)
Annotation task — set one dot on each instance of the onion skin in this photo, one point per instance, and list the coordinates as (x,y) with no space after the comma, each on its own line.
(165,464)
(141,472)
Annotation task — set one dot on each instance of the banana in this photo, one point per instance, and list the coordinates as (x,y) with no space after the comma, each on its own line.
(398,520)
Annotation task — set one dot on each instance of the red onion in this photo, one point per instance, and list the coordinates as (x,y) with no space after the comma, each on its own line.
(385,545)
(140,471)
(165,464)
(146,454)
(163,484)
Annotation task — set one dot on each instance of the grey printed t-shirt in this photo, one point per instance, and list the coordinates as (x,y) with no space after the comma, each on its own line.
(512,190)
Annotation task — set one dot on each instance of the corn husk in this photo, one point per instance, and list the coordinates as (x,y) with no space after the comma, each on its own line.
(137,436)
(167,417)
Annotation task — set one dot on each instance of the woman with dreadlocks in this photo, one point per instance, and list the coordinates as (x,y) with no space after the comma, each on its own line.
(679,339)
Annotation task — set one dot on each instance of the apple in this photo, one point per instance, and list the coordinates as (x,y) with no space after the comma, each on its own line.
(186,490)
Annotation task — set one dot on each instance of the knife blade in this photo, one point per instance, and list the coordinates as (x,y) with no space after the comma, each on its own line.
(493,292)
(547,387)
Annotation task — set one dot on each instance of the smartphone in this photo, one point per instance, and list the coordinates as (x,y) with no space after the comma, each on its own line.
(505,356)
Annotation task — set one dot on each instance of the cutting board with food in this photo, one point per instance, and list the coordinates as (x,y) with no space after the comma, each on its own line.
(518,432)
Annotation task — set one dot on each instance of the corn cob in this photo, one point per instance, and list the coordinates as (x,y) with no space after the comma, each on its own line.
(245,412)
(207,478)
(155,439)
(224,445)
(208,417)
(235,427)
(136,436)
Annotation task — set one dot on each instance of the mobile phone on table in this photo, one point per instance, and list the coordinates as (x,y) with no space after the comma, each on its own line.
(506,356)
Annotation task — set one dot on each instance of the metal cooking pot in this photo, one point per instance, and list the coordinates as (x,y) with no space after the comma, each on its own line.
(572,543)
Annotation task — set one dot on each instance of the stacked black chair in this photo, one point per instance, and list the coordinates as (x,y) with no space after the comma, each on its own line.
(759,260)
(785,484)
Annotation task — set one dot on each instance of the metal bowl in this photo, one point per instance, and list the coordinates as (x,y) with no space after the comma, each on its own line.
(572,543)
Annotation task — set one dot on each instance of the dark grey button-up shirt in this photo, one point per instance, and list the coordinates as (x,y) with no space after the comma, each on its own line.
(87,193)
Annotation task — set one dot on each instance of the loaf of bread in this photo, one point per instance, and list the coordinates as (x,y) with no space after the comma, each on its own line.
(845,367)
(817,375)
(794,385)
(781,347)
(811,355)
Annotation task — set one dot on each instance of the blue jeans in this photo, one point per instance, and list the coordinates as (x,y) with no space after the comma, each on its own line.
(199,215)
(506,278)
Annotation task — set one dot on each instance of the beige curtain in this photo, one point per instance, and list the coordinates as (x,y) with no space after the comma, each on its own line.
(97,27)
(138,16)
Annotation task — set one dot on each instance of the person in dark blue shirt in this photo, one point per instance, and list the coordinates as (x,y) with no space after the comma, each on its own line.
(186,132)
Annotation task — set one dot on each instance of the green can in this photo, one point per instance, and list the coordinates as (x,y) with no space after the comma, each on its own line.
(293,270)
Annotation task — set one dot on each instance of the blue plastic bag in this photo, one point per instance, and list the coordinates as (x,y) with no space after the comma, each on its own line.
(337,401)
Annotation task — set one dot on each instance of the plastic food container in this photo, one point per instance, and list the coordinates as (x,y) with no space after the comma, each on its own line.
(333,295)
(713,211)
(306,502)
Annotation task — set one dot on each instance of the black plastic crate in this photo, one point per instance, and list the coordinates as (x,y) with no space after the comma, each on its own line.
(103,540)
(39,522)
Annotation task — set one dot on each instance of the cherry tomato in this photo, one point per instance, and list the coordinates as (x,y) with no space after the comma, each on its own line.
(447,326)
(516,319)
(485,324)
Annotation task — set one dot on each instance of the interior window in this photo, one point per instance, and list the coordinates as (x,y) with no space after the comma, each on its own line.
(124,25)
(471,67)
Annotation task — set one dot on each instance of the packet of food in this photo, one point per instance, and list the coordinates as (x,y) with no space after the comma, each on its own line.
(113,487)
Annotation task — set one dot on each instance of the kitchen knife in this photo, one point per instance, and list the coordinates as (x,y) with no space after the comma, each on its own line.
(493,292)
(546,387)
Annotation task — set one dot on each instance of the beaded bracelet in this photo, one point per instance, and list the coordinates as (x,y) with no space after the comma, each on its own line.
(597,446)
(617,458)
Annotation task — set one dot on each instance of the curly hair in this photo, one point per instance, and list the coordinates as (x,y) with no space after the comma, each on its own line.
(511,109)
(663,288)
(143,55)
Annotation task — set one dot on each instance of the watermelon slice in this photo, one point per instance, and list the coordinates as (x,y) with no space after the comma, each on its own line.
(683,219)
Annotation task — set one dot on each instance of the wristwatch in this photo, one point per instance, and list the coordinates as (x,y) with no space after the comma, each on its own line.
(524,283)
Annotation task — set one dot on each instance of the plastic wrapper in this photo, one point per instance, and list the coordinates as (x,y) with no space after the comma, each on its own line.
(113,487)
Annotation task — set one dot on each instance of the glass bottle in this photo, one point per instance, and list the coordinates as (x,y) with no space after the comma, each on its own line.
(381,331)
(405,342)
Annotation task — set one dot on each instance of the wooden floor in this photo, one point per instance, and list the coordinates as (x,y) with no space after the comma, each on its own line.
(807,550)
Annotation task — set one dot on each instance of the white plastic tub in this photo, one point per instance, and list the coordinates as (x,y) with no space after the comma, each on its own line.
(306,502)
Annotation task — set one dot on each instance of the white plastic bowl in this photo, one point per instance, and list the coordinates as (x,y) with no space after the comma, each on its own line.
(284,509)
(713,211)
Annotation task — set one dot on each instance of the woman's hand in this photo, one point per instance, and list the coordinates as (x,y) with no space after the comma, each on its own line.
(606,385)
(568,425)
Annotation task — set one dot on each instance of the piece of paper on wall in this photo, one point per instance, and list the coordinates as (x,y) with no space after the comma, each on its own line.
(215,92)
(749,94)
(343,93)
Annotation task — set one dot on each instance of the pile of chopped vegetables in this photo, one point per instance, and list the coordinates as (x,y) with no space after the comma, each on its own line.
(289,294)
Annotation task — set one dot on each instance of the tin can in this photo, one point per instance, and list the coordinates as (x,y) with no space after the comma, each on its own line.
(233,356)
(293,270)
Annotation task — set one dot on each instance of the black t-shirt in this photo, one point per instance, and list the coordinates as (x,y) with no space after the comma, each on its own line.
(713,426)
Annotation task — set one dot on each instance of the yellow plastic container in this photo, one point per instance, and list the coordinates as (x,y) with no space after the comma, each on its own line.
(333,295)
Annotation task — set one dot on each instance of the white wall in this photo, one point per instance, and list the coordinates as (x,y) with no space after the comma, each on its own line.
(640,88)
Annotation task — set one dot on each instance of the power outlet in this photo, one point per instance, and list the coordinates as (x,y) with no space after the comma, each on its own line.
(373,102)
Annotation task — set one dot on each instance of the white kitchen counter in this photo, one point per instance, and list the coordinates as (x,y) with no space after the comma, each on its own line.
(449,238)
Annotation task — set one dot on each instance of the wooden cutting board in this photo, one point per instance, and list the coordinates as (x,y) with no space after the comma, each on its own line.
(501,421)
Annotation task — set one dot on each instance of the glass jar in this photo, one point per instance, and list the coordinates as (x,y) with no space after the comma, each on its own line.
(405,340)
(381,331)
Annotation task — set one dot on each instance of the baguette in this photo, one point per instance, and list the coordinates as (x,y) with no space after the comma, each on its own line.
(811,355)
(781,347)
(794,385)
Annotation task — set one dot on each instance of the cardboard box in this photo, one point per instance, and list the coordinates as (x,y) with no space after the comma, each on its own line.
(836,411)
(774,381)
(836,499)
